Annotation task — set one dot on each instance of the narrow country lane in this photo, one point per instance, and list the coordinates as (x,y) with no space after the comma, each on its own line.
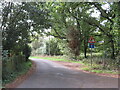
(49,74)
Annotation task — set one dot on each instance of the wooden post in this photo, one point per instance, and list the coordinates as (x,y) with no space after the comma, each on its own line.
(104,55)
(91,57)
(49,46)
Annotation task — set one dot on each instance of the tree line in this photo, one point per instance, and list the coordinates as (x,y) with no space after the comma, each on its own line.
(71,22)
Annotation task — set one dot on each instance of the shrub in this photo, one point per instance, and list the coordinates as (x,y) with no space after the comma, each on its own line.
(11,65)
(27,51)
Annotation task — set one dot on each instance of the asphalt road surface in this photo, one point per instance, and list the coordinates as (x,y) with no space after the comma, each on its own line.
(49,74)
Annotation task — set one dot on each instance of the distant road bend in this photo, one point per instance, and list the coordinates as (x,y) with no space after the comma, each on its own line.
(49,74)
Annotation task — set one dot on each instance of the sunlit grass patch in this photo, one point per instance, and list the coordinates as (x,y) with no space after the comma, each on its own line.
(86,68)
(57,58)
(97,71)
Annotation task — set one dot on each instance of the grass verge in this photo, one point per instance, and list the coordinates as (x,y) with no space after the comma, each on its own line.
(56,58)
(24,69)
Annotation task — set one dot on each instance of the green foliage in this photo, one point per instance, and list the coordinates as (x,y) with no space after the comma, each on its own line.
(103,28)
(102,63)
(14,67)
(74,41)
(52,47)
(20,22)
(37,44)
(24,21)
(10,65)
(27,51)
(59,16)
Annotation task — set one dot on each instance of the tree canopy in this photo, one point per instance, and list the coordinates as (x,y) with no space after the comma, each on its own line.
(73,22)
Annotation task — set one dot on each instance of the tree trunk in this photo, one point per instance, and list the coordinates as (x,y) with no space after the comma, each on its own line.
(85,49)
(75,57)
(113,49)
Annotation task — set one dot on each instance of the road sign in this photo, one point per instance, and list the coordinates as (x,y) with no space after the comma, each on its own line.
(91,45)
(101,42)
(91,42)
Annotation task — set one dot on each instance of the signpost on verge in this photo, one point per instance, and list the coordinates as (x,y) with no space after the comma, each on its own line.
(91,45)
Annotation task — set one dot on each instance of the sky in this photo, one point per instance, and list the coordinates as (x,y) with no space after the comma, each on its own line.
(97,13)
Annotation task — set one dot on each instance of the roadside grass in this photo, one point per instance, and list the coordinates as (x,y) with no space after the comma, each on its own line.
(56,58)
(91,69)
(86,66)
(25,67)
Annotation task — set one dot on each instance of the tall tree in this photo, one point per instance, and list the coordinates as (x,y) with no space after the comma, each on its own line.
(20,21)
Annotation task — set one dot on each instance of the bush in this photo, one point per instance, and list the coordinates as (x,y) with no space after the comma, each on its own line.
(103,63)
(11,65)
(27,51)
(53,46)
